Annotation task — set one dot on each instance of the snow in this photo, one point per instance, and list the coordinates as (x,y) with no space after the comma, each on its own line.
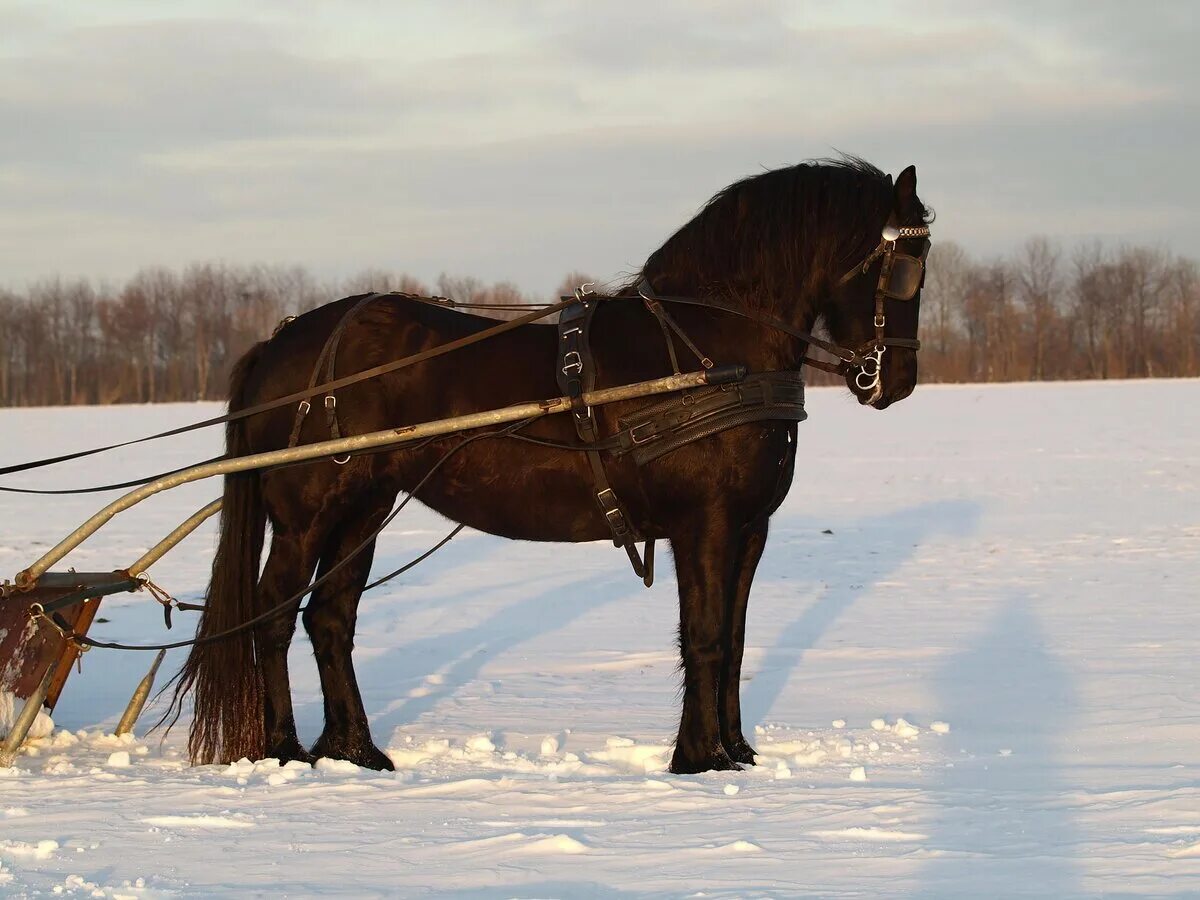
(11,705)
(999,636)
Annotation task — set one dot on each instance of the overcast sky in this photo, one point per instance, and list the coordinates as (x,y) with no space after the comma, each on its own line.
(520,140)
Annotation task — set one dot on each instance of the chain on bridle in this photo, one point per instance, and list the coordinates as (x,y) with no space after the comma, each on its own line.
(901,276)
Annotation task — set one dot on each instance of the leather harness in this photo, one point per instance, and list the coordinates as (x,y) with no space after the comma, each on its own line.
(575,371)
(662,427)
(644,435)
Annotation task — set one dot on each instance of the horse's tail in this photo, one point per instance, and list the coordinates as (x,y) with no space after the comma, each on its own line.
(222,675)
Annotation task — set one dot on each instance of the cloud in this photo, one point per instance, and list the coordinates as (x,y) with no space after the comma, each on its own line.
(519,140)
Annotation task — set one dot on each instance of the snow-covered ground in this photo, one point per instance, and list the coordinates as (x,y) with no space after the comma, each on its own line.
(1012,571)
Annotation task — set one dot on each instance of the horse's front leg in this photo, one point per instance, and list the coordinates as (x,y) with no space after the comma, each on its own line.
(704,565)
(754,539)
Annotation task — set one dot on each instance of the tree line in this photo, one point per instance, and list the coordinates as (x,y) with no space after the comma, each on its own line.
(169,335)
(1038,314)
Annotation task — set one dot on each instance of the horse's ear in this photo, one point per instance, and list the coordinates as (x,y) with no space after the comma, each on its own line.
(906,189)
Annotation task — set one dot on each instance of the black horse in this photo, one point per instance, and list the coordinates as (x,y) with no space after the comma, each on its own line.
(794,244)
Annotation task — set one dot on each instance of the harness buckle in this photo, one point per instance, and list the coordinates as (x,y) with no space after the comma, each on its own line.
(880,321)
(612,514)
(330,401)
(304,407)
(633,433)
(572,363)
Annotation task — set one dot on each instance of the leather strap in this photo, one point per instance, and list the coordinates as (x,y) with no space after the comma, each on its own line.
(307,393)
(663,427)
(576,370)
(328,356)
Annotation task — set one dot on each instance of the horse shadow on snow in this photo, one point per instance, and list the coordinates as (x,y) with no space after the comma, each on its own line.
(862,552)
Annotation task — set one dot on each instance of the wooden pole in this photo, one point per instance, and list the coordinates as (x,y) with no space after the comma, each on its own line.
(374,440)
(138,701)
(24,721)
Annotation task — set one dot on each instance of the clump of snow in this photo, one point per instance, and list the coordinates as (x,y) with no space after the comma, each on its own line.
(38,850)
(905,729)
(635,758)
(742,847)
(858,773)
(879,724)
(870,834)
(336,766)
(201,821)
(558,843)
(119,759)
(480,743)
(940,727)
(839,723)
(549,746)
(11,706)
(731,790)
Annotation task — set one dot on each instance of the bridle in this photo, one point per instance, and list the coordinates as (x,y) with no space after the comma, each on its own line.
(901,276)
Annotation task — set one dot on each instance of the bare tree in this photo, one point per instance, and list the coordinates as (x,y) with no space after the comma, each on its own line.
(167,335)
(1037,273)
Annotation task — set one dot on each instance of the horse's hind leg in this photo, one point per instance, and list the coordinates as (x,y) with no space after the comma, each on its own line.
(754,539)
(289,565)
(329,620)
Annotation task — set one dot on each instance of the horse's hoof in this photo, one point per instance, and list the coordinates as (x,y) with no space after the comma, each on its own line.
(366,755)
(373,758)
(716,760)
(740,751)
(290,751)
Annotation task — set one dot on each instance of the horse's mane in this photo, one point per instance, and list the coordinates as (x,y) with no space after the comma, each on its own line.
(777,237)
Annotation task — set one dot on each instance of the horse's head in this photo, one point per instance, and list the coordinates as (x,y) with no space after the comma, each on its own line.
(873,308)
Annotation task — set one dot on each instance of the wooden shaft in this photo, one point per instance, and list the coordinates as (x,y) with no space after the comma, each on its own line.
(24,721)
(186,527)
(374,440)
(138,701)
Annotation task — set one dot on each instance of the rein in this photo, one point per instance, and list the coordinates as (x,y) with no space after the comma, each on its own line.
(900,283)
(307,393)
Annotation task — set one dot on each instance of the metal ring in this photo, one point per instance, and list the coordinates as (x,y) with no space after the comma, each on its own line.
(872,380)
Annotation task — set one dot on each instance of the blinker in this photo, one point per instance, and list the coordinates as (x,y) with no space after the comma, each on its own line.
(907,274)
